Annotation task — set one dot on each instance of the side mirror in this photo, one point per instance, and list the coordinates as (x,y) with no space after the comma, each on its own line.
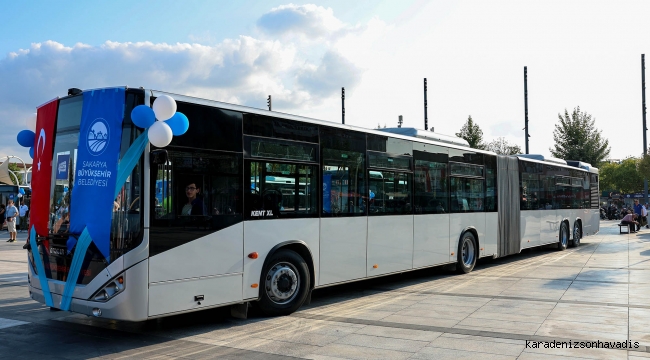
(159,157)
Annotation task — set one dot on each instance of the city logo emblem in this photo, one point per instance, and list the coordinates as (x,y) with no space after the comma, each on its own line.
(63,166)
(98,137)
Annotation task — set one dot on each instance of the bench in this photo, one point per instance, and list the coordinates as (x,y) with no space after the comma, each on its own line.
(620,228)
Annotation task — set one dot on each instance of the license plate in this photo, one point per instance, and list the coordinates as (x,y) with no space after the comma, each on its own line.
(57,251)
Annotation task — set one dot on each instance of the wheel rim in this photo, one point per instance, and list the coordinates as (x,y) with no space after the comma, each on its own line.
(576,235)
(468,252)
(565,236)
(282,283)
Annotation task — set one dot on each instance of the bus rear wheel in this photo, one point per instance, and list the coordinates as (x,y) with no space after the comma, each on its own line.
(564,237)
(284,284)
(577,235)
(467,253)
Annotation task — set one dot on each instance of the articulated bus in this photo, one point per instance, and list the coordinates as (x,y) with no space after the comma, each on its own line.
(370,203)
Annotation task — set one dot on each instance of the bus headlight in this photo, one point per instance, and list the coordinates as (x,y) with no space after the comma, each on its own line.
(111,289)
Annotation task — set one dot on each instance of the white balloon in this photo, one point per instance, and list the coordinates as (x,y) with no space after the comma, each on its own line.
(160,134)
(31,122)
(164,107)
(20,195)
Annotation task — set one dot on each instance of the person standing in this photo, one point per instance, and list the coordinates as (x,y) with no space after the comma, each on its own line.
(638,211)
(3,215)
(23,216)
(11,213)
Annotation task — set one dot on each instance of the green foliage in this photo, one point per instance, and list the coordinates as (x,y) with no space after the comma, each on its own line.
(501,146)
(576,138)
(472,133)
(16,170)
(624,177)
(606,177)
(644,166)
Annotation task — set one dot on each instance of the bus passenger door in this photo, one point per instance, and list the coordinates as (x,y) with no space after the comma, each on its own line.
(196,232)
(390,223)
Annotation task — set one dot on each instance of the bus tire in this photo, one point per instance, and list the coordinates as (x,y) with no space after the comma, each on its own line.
(564,237)
(467,253)
(284,284)
(577,235)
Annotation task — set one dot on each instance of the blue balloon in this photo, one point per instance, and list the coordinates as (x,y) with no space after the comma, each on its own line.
(22,191)
(143,116)
(31,152)
(178,123)
(26,138)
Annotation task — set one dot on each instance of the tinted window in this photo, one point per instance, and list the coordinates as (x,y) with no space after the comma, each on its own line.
(210,128)
(69,113)
(529,190)
(459,169)
(465,156)
(279,149)
(531,187)
(467,195)
(431,182)
(280,190)
(377,142)
(343,177)
(390,145)
(491,183)
(389,193)
(266,126)
(194,194)
(386,161)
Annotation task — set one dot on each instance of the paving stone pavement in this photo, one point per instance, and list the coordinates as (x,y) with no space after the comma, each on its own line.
(597,292)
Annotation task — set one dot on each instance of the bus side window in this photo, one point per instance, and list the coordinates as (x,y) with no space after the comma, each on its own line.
(343,177)
(280,190)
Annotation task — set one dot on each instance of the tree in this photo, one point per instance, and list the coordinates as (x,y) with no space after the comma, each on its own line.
(472,133)
(606,177)
(16,170)
(501,146)
(576,138)
(644,166)
(624,177)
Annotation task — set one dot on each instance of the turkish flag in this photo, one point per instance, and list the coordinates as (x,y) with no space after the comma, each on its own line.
(42,167)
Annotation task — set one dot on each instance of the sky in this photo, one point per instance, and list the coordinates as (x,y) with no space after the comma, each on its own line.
(583,54)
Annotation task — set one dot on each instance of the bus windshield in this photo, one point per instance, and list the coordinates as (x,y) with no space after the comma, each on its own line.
(126,227)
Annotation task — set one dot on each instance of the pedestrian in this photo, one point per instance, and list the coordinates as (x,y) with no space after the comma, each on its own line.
(638,211)
(644,215)
(2,215)
(23,216)
(11,215)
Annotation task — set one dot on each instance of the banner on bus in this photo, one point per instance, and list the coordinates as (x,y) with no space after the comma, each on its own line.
(42,168)
(98,153)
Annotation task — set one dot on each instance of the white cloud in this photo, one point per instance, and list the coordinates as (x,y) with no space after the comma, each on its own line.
(310,21)
(299,74)
(472,53)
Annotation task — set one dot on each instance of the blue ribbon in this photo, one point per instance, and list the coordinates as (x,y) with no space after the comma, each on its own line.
(73,274)
(126,166)
(130,159)
(45,286)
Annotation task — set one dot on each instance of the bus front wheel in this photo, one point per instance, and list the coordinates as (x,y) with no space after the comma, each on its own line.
(284,284)
(467,253)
